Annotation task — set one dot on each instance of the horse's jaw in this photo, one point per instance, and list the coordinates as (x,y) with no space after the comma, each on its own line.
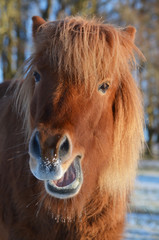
(69,184)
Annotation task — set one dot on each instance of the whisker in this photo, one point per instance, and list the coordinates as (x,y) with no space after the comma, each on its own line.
(13,147)
(17,156)
(20,132)
(49,206)
(35,196)
(40,205)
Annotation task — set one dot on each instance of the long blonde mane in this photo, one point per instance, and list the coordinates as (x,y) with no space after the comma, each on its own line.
(87,52)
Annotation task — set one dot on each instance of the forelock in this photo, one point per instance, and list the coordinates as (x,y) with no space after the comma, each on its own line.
(80,50)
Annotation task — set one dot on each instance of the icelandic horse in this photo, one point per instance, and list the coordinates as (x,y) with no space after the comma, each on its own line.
(71,133)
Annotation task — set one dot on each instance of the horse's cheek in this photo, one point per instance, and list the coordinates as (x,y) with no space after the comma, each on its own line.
(33,107)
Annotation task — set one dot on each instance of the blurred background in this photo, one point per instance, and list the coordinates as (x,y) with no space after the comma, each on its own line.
(16,46)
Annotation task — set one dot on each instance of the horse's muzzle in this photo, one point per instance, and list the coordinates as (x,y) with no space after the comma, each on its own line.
(47,160)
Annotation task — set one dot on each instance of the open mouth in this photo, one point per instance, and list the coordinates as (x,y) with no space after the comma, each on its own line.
(69,184)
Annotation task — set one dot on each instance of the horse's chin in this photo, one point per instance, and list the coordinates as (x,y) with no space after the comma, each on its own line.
(69,184)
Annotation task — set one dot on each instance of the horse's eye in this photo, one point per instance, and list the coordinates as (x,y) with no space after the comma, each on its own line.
(36,76)
(103,87)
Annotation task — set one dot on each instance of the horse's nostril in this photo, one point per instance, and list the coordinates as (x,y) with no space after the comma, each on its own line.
(52,146)
(64,147)
(34,146)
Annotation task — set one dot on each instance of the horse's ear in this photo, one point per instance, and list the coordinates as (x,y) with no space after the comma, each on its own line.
(37,22)
(130,30)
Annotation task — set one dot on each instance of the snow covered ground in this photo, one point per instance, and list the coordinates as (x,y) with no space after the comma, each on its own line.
(143,221)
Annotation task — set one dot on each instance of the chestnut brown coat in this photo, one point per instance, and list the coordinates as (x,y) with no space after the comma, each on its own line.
(71,133)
